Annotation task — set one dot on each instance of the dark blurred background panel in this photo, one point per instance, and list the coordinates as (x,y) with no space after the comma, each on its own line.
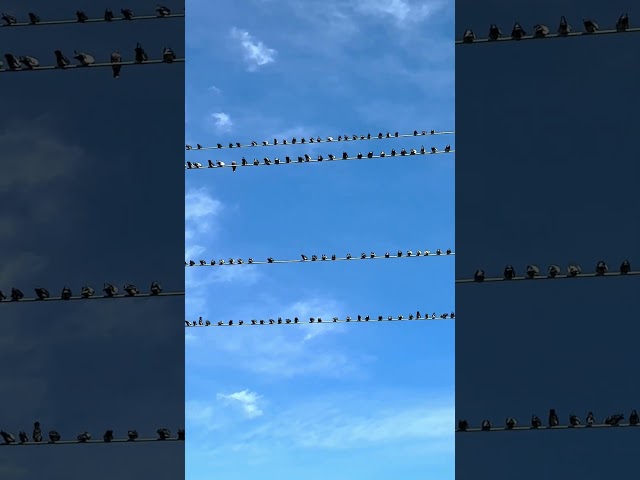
(91,192)
(546,174)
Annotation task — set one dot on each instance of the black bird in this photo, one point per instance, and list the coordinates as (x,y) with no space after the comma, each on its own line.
(574,421)
(614,420)
(9,19)
(168,56)
(623,23)
(463,425)
(108,15)
(81,16)
(24,438)
(54,436)
(7,437)
(141,55)
(554,421)
(12,62)
(33,18)
(494,32)
(590,420)
(634,419)
(535,421)
(37,432)
(518,32)
(108,436)
(509,272)
(510,423)
(116,59)
(590,26)
(127,13)
(61,60)
(564,28)
(479,276)
(163,11)
(625,267)
(486,425)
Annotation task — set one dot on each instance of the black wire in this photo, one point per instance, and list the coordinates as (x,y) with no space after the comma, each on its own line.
(92,20)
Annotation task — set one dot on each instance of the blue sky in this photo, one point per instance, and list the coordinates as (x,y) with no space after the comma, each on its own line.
(371,401)
(78,198)
(553,190)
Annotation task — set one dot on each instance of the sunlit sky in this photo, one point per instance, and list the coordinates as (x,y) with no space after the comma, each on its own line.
(373,401)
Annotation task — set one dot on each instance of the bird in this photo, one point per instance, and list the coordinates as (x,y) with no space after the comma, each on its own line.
(554,421)
(29,62)
(564,28)
(590,420)
(601,268)
(574,270)
(634,419)
(84,58)
(24,438)
(141,55)
(168,56)
(33,18)
(614,420)
(494,32)
(511,423)
(518,32)
(54,436)
(116,59)
(535,421)
(108,15)
(163,11)
(7,437)
(468,36)
(81,16)
(625,267)
(532,271)
(574,421)
(61,60)
(540,31)
(84,437)
(553,271)
(623,23)
(9,19)
(127,13)
(486,425)
(13,62)
(479,276)
(37,433)
(509,272)
(590,26)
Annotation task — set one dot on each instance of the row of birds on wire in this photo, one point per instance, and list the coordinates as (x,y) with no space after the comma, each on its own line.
(339,138)
(542,31)
(86,292)
(321,258)
(37,437)
(296,321)
(306,158)
(84,59)
(553,422)
(553,272)
(161,11)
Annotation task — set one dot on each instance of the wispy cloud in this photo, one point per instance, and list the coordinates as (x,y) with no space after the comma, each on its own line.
(222,121)
(246,400)
(256,53)
(402,11)
(214,89)
(199,209)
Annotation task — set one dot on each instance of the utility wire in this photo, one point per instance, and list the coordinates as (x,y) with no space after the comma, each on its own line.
(308,159)
(87,293)
(164,435)
(95,65)
(296,321)
(312,140)
(515,37)
(553,274)
(560,427)
(91,20)
(323,258)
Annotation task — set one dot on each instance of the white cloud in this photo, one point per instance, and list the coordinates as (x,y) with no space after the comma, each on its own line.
(246,400)
(402,11)
(215,90)
(256,53)
(199,208)
(222,121)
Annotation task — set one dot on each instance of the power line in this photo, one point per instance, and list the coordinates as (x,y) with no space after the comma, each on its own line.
(541,32)
(312,140)
(87,293)
(36,23)
(94,65)
(54,438)
(511,424)
(553,273)
(322,258)
(313,320)
(307,159)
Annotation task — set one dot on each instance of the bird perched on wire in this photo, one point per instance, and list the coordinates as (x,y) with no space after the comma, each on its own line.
(108,15)
(127,13)
(116,59)
(13,63)
(29,62)
(61,60)
(168,56)
(81,16)
(163,11)
(33,18)
(84,58)
(141,55)
(8,19)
